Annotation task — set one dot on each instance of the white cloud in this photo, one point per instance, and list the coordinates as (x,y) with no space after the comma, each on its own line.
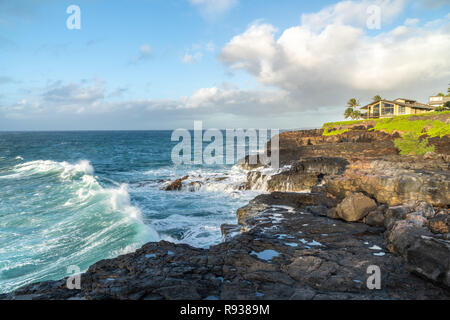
(92,98)
(145,53)
(411,22)
(197,51)
(145,49)
(322,67)
(210,47)
(211,9)
(189,58)
(73,93)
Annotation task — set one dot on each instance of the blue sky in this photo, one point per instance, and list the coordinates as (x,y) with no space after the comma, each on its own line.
(153,64)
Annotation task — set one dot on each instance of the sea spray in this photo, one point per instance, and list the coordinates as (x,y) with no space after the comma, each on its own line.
(64,217)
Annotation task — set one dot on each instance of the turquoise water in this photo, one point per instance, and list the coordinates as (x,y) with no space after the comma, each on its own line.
(74,198)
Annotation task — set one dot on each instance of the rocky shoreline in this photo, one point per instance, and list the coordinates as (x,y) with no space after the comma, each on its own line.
(340,204)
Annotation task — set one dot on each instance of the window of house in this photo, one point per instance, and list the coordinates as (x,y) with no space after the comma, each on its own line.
(376,110)
(387,109)
(401,110)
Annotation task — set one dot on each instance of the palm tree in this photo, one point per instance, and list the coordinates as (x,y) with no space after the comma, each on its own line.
(352,104)
(356,115)
(377,98)
(348,113)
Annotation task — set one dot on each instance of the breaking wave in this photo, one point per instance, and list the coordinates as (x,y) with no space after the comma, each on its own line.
(57,214)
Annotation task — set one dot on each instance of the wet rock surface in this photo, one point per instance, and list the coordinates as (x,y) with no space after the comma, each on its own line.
(175,185)
(301,175)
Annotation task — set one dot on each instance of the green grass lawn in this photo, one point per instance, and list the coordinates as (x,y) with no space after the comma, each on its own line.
(412,129)
(432,124)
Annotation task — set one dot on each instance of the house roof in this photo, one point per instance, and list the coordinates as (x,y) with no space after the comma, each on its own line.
(405,99)
(416,105)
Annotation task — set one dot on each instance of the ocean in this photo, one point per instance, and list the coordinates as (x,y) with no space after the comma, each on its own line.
(74,198)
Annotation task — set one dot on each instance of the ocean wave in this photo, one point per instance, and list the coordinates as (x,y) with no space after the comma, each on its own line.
(60,215)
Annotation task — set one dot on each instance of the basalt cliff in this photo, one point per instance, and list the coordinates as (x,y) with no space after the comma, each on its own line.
(340,205)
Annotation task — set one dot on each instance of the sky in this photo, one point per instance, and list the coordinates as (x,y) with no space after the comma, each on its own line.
(161,64)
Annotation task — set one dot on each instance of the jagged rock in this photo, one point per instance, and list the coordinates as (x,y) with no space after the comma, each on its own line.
(393,214)
(320,210)
(289,182)
(430,258)
(375,218)
(294,145)
(332,213)
(355,207)
(302,175)
(440,223)
(230,230)
(306,173)
(392,183)
(294,200)
(176,185)
(248,211)
(403,234)
(416,218)
(425,255)
(426,209)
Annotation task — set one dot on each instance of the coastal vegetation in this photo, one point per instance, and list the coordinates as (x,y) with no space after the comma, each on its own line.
(412,144)
(352,109)
(445,107)
(415,130)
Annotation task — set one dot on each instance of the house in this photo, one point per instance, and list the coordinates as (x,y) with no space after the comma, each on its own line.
(438,101)
(387,108)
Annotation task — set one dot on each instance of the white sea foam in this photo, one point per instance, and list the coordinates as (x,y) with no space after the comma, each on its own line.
(64,169)
(229,181)
(261,177)
(86,187)
(379,254)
